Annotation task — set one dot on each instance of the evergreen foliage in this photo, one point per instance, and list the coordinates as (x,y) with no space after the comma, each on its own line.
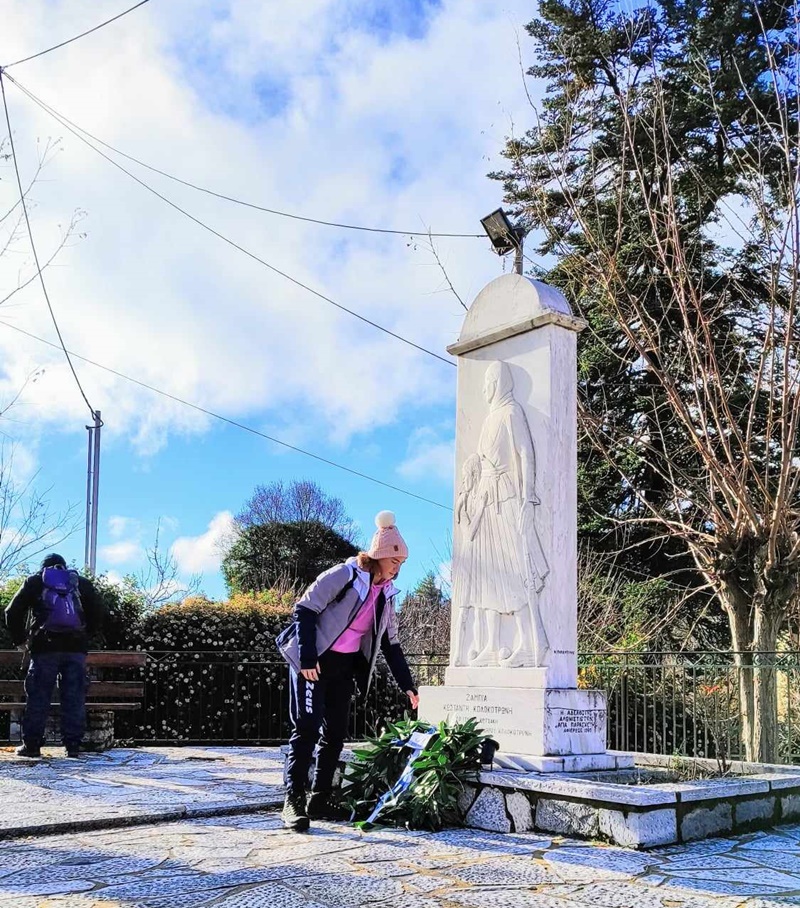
(265,556)
(660,178)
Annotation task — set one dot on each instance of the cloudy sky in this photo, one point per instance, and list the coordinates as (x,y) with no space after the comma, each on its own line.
(386,113)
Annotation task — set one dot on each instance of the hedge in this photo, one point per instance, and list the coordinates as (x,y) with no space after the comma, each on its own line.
(245,622)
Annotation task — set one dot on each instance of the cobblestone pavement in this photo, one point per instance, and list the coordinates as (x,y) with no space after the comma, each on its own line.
(127,785)
(249,861)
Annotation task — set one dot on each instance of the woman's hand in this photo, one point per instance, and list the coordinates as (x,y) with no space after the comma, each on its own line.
(414,698)
(311,674)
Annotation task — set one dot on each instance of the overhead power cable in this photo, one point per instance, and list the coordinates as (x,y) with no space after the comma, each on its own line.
(243,202)
(56,116)
(35,253)
(230,422)
(48,50)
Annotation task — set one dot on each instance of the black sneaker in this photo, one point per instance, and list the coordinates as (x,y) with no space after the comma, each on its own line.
(29,749)
(294,814)
(321,806)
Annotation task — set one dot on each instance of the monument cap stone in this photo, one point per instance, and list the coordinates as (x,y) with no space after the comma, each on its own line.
(510,305)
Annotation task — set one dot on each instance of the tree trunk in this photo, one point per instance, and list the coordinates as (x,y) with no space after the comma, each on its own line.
(738,610)
(754,633)
(765,687)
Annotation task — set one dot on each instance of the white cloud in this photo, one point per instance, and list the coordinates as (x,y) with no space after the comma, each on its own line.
(119,526)
(114,577)
(122,552)
(298,107)
(428,457)
(196,554)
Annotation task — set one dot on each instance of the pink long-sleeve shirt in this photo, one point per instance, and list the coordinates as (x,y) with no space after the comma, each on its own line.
(350,639)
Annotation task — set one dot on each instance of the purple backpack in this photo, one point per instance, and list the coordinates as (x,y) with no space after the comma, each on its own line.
(61,602)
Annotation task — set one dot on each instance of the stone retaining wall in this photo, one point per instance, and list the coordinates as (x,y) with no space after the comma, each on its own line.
(634,816)
(602,806)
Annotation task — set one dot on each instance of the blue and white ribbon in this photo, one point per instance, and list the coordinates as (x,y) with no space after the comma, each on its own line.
(417,742)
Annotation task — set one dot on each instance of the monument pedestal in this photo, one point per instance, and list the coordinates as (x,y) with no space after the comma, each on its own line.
(539,729)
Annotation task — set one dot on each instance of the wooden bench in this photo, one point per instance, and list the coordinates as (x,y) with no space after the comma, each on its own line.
(102,696)
(108,695)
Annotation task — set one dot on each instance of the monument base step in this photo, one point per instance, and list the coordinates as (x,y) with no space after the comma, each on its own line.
(576,763)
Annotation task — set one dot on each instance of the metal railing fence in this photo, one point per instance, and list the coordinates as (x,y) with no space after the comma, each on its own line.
(243,698)
(665,703)
(689,703)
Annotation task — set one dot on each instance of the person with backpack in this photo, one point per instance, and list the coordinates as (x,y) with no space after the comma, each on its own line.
(342,621)
(53,615)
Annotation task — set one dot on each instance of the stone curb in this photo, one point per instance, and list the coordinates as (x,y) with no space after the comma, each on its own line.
(143,819)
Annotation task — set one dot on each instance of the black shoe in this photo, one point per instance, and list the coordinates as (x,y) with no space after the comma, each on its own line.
(321,806)
(73,751)
(294,813)
(29,749)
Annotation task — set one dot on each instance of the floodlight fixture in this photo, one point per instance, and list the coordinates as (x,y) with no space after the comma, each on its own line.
(504,236)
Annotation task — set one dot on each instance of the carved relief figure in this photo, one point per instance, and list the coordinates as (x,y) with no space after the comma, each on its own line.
(503,568)
(462,586)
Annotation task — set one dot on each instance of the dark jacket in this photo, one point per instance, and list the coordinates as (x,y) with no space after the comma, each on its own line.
(23,622)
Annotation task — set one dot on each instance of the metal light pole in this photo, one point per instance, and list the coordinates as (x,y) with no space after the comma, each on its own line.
(518,254)
(92,493)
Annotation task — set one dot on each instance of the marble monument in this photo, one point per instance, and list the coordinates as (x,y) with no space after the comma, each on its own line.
(513,652)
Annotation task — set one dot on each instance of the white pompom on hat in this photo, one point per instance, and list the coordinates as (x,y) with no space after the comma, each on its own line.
(387,541)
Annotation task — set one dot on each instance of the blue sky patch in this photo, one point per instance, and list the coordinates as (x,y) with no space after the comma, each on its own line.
(389,19)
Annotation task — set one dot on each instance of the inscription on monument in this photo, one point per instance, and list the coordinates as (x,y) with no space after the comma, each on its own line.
(494,718)
(578,721)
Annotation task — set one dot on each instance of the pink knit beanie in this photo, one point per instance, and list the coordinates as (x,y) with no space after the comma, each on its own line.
(387,541)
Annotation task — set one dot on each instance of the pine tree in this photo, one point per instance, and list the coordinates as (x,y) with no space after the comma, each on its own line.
(661,174)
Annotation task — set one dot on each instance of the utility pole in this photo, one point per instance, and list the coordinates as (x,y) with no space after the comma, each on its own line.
(92,493)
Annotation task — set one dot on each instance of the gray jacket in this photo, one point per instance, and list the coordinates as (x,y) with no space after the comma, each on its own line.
(334,617)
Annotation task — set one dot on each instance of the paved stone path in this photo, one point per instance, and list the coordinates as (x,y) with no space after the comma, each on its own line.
(249,861)
(128,785)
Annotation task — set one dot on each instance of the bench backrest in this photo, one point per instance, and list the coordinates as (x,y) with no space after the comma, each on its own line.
(108,658)
(120,692)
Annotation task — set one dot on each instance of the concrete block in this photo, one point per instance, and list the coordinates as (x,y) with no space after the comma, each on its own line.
(716,789)
(566,817)
(537,722)
(624,760)
(639,830)
(702,822)
(589,763)
(574,787)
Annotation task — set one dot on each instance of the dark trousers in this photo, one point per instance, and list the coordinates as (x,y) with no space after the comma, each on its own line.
(320,713)
(70,670)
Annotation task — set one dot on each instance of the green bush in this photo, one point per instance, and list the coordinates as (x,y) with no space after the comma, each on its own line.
(7,591)
(247,621)
(440,773)
(123,607)
(216,674)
